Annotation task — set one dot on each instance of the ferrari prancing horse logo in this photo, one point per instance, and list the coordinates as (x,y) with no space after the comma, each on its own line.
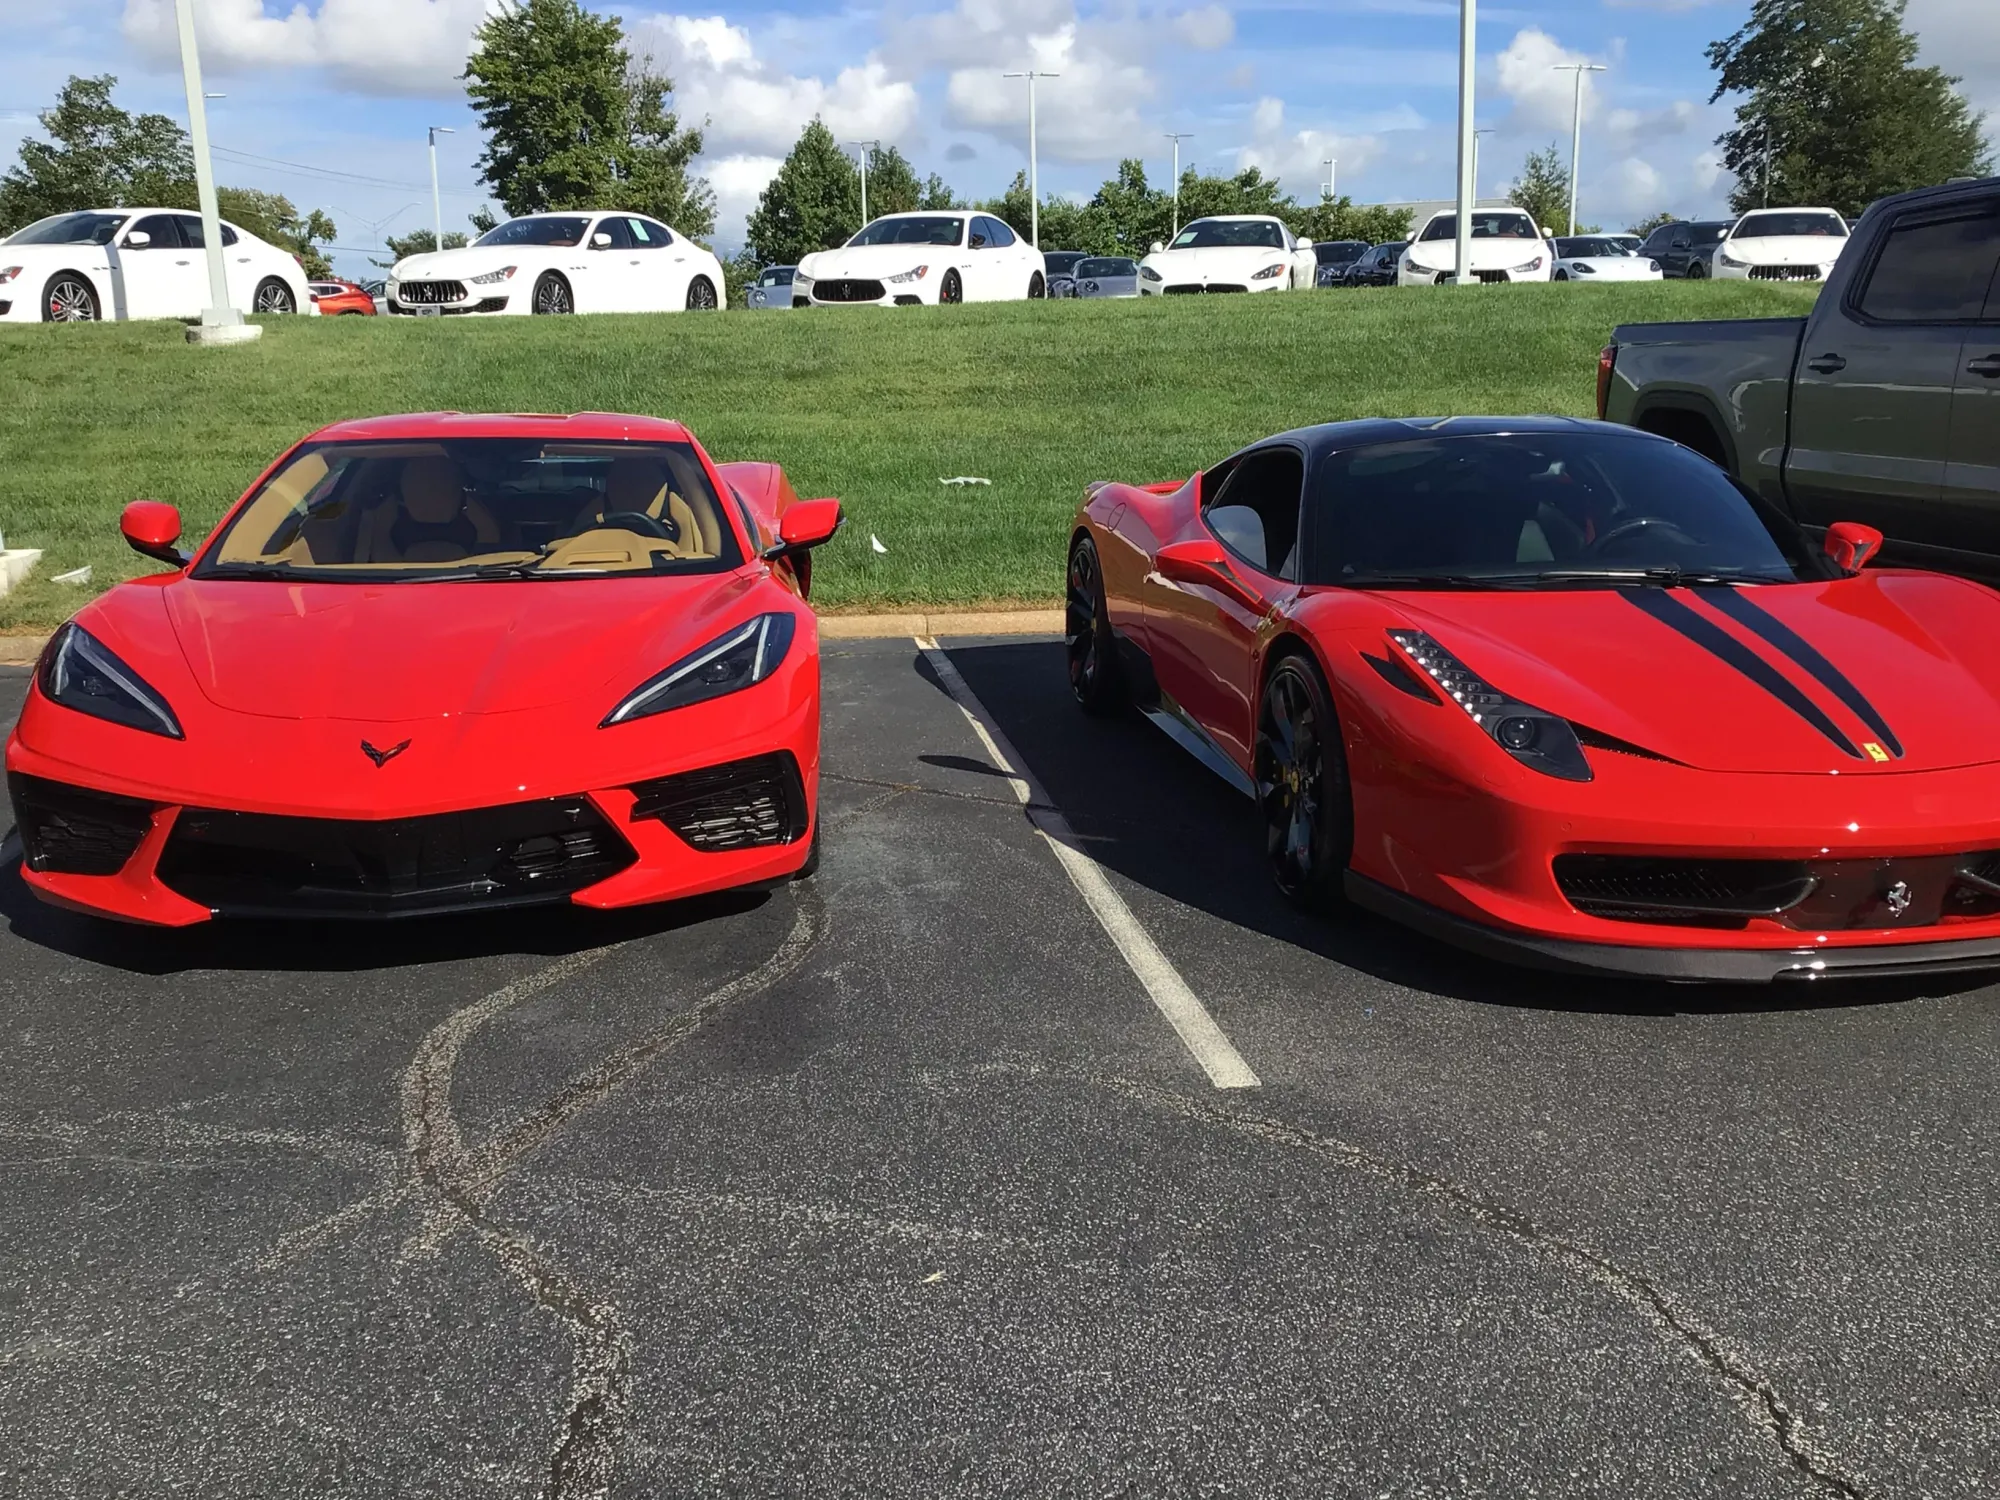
(1875,751)
(383,757)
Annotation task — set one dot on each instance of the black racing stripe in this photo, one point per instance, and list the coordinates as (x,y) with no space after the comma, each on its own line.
(1720,644)
(1754,617)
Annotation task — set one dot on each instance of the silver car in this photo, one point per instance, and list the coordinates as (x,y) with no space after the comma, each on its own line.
(1107,276)
(772,288)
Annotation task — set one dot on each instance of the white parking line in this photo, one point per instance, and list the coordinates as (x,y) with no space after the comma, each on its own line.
(1218,1057)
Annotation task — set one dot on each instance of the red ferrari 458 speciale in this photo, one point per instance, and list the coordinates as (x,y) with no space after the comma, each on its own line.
(436,663)
(1563,693)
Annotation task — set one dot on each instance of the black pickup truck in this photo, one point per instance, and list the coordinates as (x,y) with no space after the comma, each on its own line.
(1882,407)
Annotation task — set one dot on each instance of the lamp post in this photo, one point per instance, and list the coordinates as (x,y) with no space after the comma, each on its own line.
(437,203)
(221,322)
(1475,162)
(1034,182)
(1576,128)
(1177,137)
(1332,165)
(864,147)
(1468,60)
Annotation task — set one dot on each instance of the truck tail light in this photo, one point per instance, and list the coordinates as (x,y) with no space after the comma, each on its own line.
(1606,358)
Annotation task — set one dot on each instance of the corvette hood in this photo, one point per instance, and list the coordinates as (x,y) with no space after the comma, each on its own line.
(1782,678)
(1218,263)
(1785,249)
(382,652)
(873,262)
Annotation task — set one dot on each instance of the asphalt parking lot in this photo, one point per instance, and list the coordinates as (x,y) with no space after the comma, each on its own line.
(898,1182)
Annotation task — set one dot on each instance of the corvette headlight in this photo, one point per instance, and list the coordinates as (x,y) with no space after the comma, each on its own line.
(1729,260)
(1268,273)
(1150,274)
(493,278)
(1526,266)
(79,671)
(746,655)
(916,274)
(1536,738)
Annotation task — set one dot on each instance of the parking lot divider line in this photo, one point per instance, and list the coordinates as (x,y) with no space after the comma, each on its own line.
(1170,994)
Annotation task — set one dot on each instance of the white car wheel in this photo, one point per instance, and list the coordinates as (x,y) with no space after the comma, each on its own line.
(273,296)
(701,295)
(552,296)
(68,298)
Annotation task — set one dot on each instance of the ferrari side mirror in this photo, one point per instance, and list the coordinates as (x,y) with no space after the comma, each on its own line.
(1203,564)
(151,527)
(1852,545)
(807,524)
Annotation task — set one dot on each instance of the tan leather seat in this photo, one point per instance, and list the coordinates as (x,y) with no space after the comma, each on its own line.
(641,486)
(433,493)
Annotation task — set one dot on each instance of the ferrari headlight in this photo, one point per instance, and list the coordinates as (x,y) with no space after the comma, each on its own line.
(1536,738)
(81,672)
(1268,273)
(493,278)
(1526,266)
(745,656)
(917,273)
(1150,274)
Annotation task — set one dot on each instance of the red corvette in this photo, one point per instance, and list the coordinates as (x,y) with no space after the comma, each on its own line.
(1563,693)
(433,663)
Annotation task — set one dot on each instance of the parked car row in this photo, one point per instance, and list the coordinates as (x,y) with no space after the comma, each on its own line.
(119,263)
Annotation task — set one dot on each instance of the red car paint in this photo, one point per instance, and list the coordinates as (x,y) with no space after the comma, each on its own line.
(1708,763)
(499,689)
(350,299)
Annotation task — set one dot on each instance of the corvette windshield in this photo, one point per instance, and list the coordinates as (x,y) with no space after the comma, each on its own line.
(1541,509)
(1225,234)
(559,233)
(478,508)
(1485,226)
(70,229)
(922,231)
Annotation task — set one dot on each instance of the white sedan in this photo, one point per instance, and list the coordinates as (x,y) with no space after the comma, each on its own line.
(1781,244)
(1505,246)
(908,260)
(1229,253)
(584,262)
(1601,257)
(138,263)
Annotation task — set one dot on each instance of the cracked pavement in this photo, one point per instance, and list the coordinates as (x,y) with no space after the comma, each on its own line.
(895,1183)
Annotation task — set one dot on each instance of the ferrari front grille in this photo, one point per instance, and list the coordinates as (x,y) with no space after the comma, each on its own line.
(426,293)
(1642,888)
(744,804)
(69,830)
(848,291)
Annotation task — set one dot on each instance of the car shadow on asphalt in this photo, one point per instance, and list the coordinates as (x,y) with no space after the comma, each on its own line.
(1145,809)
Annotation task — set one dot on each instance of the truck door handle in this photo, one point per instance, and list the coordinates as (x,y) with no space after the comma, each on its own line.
(1826,364)
(1987,365)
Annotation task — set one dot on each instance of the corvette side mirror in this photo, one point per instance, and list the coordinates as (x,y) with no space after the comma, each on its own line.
(1203,564)
(151,527)
(1851,545)
(807,524)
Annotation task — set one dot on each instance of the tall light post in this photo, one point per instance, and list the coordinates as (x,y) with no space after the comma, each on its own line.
(220,321)
(1468,61)
(1576,128)
(864,147)
(1475,161)
(1034,181)
(1177,137)
(1332,165)
(437,203)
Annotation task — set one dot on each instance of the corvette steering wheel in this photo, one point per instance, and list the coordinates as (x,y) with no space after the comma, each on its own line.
(639,521)
(1664,528)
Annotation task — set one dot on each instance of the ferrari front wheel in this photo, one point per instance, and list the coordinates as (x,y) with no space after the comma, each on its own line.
(1302,787)
(1093,663)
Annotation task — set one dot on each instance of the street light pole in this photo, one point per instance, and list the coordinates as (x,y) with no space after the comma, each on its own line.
(1034,181)
(1475,161)
(1177,138)
(1468,60)
(1576,129)
(1332,165)
(220,314)
(864,147)
(437,203)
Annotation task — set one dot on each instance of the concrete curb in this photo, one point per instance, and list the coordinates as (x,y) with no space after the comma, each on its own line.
(20,650)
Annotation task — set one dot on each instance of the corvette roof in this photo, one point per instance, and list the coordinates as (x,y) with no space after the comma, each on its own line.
(583,425)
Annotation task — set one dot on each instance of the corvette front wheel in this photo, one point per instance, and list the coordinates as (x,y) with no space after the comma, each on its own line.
(1302,786)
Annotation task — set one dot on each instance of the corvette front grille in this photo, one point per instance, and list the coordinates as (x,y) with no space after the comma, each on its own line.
(744,804)
(70,830)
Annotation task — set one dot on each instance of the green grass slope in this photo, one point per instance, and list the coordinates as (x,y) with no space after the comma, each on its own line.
(873,406)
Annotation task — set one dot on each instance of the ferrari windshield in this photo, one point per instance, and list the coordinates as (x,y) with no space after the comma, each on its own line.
(917,231)
(478,508)
(1226,234)
(1540,509)
(70,229)
(1485,226)
(557,232)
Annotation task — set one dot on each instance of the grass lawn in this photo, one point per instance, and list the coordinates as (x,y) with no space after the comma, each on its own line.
(873,406)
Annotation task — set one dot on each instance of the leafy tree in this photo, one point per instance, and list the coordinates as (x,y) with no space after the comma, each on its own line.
(1343,219)
(937,194)
(893,187)
(572,122)
(814,203)
(97,156)
(1543,190)
(1850,117)
(1133,213)
(1248,192)
(271,217)
(1658,221)
(419,242)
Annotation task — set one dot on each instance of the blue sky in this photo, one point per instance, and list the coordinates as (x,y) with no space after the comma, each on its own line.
(328,99)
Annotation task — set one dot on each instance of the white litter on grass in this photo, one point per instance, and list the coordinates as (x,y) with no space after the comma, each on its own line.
(965,479)
(876,542)
(74,575)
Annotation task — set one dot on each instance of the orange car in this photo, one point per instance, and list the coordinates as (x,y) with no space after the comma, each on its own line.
(338,298)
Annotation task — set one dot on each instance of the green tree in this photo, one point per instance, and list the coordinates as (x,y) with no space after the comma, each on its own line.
(1543,190)
(1658,221)
(1133,213)
(271,217)
(814,203)
(419,242)
(572,122)
(893,187)
(1344,219)
(1833,91)
(937,194)
(97,156)
(1247,192)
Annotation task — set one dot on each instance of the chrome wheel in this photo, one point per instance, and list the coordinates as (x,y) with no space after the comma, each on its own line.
(552,296)
(69,299)
(1093,664)
(1302,786)
(701,295)
(273,296)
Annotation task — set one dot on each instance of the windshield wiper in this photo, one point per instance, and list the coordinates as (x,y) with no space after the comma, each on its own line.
(1668,577)
(1437,580)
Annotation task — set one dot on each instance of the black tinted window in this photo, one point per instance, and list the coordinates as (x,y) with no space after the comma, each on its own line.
(617,230)
(997,233)
(162,232)
(1254,510)
(1936,272)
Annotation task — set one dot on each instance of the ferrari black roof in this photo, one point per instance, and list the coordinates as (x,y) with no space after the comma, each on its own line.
(1366,432)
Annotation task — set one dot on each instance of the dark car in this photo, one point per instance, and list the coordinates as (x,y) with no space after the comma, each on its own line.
(1059,271)
(1333,257)
(1378,266)
(1685,247)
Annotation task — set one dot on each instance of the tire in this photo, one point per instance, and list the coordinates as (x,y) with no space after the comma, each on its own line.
(951,289)
(552,296)
(701,295)
(1562,276)
(1302,787)
(273,296)
(69,298)
(1697,271)
(1087,640)
(1037,287)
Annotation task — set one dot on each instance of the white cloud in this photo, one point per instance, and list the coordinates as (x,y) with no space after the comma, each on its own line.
(1207,29)
(1542,97)
(367,46)
(738,182)
(1298,158)
(1091,112)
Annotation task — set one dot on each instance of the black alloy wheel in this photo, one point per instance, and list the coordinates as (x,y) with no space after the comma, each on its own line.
(552,296)
(1696,271)
(68,299)
(1093,653)
(951,289)
(1037,288)
(701,295)
(1302,787)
